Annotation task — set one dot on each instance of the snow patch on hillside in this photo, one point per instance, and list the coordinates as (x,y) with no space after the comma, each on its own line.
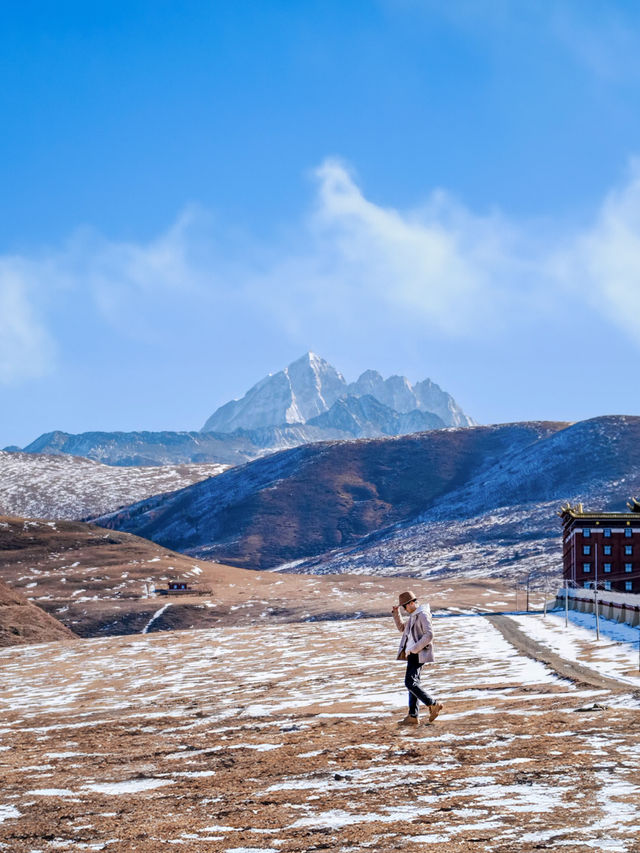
(70,487)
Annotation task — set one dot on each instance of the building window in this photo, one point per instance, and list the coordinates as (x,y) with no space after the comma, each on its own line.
(607,584)
(607,567)
(628,585)
(628,567)
(586,568)
(586,549)
(587,584)
(586,531)
(607,550)
(607,533)
(628,532)
(628,549)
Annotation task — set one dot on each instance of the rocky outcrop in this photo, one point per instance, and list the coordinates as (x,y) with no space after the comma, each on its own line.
(367,417)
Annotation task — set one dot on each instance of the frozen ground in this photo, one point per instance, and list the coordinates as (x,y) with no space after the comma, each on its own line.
(285,739)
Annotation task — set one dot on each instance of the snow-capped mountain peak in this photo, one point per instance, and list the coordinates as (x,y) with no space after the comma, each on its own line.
(304,389)
(310,386)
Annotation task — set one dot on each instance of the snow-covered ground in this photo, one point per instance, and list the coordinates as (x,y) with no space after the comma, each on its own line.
(244,738)
(68,487)
(615,654)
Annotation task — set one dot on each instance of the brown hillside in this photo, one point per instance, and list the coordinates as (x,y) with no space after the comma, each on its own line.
(310,500)
(22,622)
(100,582)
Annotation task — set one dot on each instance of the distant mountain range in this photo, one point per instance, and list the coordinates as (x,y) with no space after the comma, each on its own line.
(481,499)
(308,401)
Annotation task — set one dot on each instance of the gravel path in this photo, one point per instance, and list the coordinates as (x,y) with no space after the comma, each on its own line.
(575,672)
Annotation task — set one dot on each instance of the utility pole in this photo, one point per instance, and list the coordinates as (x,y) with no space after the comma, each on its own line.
(528,576)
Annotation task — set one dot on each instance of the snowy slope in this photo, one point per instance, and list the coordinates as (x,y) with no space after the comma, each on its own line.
(307,387)
(502,521)
(149,448)
(66,487)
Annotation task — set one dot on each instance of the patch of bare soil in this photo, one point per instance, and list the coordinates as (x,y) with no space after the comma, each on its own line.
(102,582)
(286,739)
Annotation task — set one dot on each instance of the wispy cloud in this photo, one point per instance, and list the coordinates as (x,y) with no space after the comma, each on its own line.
(461,274)
(352,266)
(27,349)
(602,38)
(357,265)
(602,264)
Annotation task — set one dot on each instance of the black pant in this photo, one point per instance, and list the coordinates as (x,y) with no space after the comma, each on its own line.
(412,683)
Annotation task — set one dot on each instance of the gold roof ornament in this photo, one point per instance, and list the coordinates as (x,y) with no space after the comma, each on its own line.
(575,510)
(634,504)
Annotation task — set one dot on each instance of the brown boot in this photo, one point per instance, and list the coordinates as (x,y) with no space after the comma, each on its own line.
(409,720)
(434,710)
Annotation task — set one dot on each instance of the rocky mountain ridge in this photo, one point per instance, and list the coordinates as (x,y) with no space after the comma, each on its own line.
(310,387)
(308,401)
(310,500)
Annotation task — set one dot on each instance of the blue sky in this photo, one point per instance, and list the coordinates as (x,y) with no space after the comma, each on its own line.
(196,193)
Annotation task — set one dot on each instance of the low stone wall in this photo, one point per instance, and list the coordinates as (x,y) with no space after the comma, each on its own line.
(621,607)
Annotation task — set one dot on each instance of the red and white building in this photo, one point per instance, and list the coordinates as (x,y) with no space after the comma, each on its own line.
(601,548)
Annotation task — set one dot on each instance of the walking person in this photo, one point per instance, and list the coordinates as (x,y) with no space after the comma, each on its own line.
(416,647)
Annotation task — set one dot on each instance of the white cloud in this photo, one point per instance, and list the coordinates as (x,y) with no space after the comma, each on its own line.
(128,281)
(26,348)
(602,39)
(357,264)
(353,268)
(457,273)
(602,264)
(440,264)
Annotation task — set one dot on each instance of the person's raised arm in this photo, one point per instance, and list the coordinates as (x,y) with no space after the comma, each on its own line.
(397,618)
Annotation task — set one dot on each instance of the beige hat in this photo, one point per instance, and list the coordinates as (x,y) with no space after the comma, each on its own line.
(405,598)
